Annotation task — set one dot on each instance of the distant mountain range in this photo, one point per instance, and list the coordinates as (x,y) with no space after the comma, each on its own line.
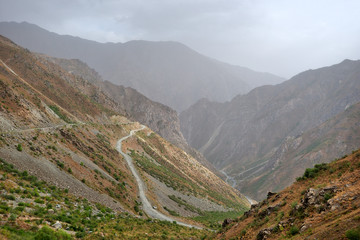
(265,138)
(167,72)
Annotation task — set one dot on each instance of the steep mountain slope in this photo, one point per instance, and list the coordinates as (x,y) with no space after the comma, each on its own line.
(334,138)
(242,136)
(167,72)
(62,136)
(136,106)
(322,204)
(127,101)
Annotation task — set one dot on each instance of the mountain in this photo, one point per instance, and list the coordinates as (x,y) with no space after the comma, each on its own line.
(322,204)
(125,100)
(166,72)
(53,130)
(250,136)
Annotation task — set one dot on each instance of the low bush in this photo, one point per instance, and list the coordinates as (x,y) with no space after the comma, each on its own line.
(293,230)
(353,234)
(19,147)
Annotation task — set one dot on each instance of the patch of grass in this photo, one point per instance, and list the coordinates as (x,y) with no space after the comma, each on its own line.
(57,111)
(46,233)
(187,206)
(14,232)
(353,234)
(163,174)
(213,219)
(171,212)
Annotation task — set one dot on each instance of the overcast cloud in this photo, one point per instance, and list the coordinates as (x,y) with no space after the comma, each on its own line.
(283,37)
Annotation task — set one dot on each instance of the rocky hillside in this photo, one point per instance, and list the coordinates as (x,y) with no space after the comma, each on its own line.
(324,203)
(32,209)
(125,100)
(167,72)
(247,136)
(135,106)
(334,138)
(63,137)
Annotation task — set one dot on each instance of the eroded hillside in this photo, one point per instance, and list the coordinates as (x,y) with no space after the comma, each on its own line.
(324,203)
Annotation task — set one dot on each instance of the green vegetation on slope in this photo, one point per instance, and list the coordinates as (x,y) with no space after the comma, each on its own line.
(31,207)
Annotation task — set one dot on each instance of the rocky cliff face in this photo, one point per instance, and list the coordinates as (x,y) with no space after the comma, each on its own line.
(243,135)
(166,72)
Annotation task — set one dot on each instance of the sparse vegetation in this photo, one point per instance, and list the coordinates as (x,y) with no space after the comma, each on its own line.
(186,205)
(57,111)
(213,219)
(309,199)
(171,212)
(75,214)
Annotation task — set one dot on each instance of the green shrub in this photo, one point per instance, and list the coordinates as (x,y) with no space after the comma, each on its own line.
(46,233)
(12,217)
(293,204)
(327,196)
(40,201)
(60,164)
(313,172)
(293,230)
(19,147)
(9,197)
(353,234)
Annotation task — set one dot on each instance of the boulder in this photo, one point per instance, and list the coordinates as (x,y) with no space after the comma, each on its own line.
(57,225)
(263,234)
(226,222)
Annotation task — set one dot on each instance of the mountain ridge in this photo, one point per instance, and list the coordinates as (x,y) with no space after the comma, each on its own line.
(167,72)
(253,126)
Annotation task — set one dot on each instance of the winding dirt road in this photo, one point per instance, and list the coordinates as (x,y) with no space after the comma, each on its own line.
(148,209)
(142,188)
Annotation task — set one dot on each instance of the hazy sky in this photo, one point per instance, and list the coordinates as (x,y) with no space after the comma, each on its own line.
(283,37)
